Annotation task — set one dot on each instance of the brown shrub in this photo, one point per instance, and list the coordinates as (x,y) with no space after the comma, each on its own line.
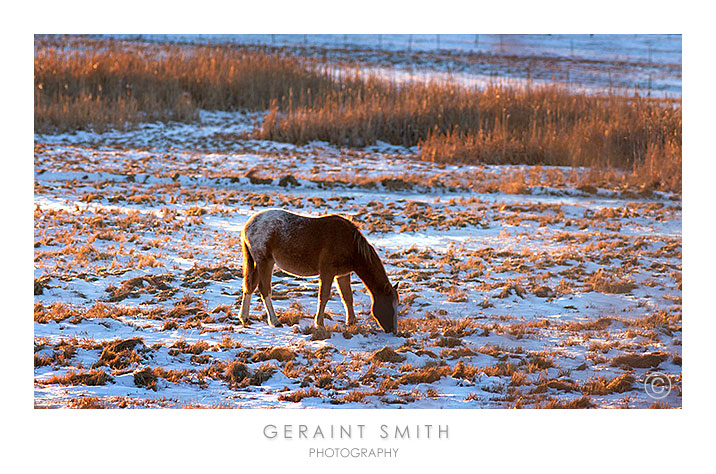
(583,402)
(281,354)
(657,405)
(356,396)
(92,377)
(457,353)
(317,333)
(260,375)
(464,371)
(501,369)
(387,354)
(604,386)
(56,312)
(424,375)
(639,361)
(324,380)
(555,384)
(602,282)
(448,342)
(540,361)
(198,347)
(145,378)
(599,325)
(299,395)
(88,403)
(236,372)
(120,354)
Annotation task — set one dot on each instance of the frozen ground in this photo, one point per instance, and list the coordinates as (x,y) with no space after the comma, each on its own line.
(521,287)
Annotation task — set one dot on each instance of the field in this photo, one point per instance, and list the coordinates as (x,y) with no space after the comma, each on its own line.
(524,285)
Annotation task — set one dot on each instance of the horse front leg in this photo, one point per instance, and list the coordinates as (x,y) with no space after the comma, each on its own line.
(324,292)
(344,286)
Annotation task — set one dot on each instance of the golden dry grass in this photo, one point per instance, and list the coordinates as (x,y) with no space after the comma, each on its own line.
(299,395)
(387,354)
(112,83)
(106,83)
(91,377)
(281,354)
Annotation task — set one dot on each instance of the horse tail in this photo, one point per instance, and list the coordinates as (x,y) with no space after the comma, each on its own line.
(249,267)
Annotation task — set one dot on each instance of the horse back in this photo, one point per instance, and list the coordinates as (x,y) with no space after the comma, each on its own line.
(302,245)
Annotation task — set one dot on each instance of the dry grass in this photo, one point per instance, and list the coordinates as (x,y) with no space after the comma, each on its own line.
(299,395)
(281,354)
(387,354)
(424,375)
(584,401)
(112,83)
(107,83)
(120,354)
(91,377)
(602,282)
(639,361)
(236,372)
(145,378)
(497,125)
(604,386)
(88,403)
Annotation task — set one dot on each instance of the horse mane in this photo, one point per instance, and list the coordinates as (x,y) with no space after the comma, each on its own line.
(364,248)
(368,254)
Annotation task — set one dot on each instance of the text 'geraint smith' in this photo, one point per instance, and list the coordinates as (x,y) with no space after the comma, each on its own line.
(425,431)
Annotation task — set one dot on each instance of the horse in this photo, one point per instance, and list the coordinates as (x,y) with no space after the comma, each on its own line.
(330,247)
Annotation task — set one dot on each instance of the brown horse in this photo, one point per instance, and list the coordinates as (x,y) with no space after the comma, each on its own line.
(330,247)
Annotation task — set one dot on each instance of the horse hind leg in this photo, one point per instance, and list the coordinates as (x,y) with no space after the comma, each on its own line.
(265,270)
(344,286)
(251,281)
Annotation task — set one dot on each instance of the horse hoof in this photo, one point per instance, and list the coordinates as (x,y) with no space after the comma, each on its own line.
(277,325)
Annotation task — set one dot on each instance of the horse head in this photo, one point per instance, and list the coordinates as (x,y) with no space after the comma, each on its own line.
(385,308)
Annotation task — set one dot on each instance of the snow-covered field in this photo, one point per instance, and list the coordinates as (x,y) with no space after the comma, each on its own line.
(520,286)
